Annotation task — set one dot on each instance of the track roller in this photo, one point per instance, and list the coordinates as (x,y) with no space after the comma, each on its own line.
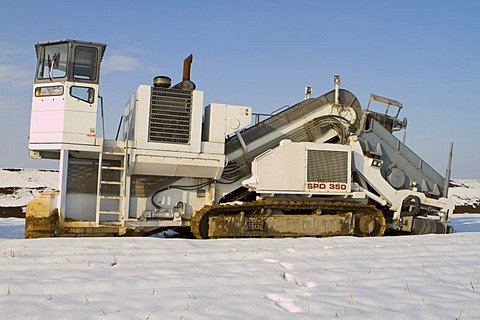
(423,225)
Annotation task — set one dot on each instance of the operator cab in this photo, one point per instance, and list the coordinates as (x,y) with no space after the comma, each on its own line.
(68,60)
(64,102)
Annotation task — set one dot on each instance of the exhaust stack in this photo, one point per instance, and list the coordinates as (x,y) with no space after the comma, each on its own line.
(186,84)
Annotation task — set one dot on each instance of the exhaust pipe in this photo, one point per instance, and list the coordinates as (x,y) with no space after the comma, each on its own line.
(186,84)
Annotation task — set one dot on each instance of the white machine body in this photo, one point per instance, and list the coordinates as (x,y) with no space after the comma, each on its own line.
(174,156)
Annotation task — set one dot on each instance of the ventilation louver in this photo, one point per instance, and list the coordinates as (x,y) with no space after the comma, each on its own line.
(170,116)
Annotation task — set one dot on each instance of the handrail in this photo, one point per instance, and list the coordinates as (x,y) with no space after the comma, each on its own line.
(119,126)
(258,115)
(101,115)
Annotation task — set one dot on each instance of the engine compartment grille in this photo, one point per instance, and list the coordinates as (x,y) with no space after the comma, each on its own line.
(170,116)
(327,166)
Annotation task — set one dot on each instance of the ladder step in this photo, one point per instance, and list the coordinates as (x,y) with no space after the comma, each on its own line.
(111,197)
(116,152)
(110,224)
(110,212)
(111,182)
(112,168)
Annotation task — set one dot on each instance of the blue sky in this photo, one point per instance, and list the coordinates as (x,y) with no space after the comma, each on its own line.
(425,54)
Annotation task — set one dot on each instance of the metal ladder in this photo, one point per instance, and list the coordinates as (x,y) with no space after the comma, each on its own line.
(110,203)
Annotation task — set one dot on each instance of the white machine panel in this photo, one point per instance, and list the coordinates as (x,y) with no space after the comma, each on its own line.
(143,121)
(303,167)
(163,127)
(223,119)
(60,118)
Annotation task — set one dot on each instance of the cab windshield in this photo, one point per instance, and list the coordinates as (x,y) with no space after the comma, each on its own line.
(52,62)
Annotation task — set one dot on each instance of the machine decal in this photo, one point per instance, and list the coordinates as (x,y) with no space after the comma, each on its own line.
(327,186)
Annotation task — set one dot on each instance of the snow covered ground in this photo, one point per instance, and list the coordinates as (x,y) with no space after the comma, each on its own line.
(408,277)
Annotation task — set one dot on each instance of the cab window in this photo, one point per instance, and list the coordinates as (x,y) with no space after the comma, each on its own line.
(85,94)
(85,63)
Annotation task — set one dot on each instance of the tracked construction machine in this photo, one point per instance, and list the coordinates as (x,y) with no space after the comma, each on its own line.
(322,167)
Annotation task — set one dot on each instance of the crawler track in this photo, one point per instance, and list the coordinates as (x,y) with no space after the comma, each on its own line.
(285,218)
